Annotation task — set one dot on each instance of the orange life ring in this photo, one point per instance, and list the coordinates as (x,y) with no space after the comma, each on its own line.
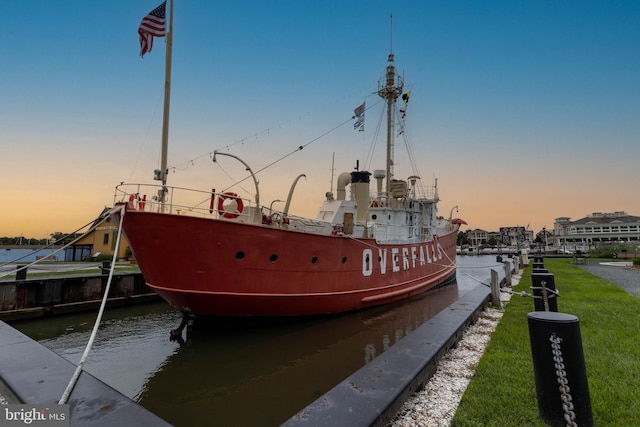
(229,195)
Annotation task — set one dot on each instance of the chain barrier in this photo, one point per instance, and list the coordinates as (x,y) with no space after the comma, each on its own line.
(565,391)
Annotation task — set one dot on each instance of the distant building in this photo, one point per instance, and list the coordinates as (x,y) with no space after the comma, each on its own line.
(100,241)
(597,228)
(495,235)
(516,236)
(478,237)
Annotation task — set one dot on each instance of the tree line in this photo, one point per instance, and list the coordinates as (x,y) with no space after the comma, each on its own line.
(57,238)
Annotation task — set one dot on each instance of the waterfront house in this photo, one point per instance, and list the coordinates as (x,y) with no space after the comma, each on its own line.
(100,242)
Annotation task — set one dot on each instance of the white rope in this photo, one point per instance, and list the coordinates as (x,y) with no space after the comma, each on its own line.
(78,371)
(482,282)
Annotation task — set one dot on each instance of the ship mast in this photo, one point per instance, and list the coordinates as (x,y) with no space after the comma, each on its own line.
(390,92)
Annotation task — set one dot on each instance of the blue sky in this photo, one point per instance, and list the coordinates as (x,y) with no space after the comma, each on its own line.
(525,111)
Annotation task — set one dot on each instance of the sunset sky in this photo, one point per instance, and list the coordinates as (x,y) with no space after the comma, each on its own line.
(524,111)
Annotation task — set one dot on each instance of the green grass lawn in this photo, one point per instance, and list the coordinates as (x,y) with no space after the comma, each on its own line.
(503,393)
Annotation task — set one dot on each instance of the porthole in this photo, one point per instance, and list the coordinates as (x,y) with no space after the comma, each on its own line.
(314,260)
(273,257)
(240,255)
(374,217)
(344,259)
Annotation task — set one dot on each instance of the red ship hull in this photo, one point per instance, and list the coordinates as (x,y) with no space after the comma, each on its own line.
(217,267)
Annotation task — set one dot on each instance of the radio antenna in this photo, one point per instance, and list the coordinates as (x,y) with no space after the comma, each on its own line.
(391,33)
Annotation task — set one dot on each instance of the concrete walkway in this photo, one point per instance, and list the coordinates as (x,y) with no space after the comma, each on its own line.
(33,374)
(625,277)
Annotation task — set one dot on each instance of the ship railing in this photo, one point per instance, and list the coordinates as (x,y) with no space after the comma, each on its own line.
(421,193)
(387,233)
(186,201)
(398,233)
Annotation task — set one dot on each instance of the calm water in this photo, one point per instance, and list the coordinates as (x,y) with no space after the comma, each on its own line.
(240,375)
(26,255)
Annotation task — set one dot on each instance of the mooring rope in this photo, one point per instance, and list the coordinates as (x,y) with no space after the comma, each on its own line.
(461,269)
(83,359)
(482,282)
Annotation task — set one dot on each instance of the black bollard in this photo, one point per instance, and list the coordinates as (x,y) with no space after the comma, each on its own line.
(21,274)
(106,267)
(544,291)
(539,270)
(558,366)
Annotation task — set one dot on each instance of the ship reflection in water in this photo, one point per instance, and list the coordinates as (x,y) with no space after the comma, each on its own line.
(252,374)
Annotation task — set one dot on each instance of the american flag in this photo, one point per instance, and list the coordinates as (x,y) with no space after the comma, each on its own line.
(152,25)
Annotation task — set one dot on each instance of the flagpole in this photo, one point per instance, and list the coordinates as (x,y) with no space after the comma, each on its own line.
(167,103)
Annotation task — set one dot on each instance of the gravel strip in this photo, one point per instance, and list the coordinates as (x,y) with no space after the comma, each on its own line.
(437,402)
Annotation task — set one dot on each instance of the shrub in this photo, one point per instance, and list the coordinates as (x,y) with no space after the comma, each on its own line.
(607,251)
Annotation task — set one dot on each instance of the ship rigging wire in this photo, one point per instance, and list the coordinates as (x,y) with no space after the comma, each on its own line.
(299,148)
(210,154)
